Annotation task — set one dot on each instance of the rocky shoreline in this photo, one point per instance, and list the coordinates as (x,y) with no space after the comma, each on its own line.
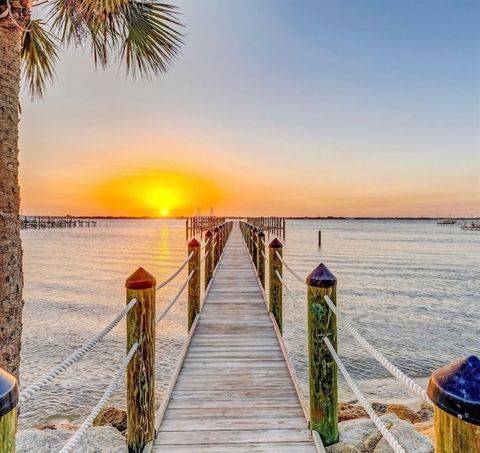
(358,434)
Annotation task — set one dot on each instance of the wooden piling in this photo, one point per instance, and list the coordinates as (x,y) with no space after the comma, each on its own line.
(208,257)
(261,257)
(216,251)
(454,390)
(194,283)
(254,247)
(321,365)
(319,238)
(8,412)
(141,369)
(276,288)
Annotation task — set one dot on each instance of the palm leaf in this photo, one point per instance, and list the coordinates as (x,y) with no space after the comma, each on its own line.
(39,55)
(150,43)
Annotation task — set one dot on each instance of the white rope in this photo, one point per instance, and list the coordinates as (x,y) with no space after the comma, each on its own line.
(290,269)
(397,448)
(170,305)
(390,367)
(87,423)
(204,256)
(75,357)
(263,254)
(169,279)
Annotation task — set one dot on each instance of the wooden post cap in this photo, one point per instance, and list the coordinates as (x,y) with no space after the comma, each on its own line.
(261,234)
(216,230)
(140,279)
(208,234)
(8,393)
(455,389)
(275,244)
(254,230)
(321,277)
(193,243)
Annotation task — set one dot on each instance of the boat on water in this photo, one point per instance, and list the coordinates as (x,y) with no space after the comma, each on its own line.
(446,222)
(475,226)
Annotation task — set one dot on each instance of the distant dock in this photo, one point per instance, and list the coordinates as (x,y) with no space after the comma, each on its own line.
(41,222)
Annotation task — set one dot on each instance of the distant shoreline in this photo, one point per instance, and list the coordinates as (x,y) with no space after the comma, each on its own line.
(242,217)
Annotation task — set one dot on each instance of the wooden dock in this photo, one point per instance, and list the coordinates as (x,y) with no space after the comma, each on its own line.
(234,391)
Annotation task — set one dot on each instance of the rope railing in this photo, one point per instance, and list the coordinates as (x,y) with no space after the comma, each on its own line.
(179,293)
(75,356)
(397,448)
(409,383)
(169,279)
(87,423)
(290,269)
(204,257)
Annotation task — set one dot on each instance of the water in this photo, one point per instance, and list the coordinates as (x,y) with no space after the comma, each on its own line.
(411,287)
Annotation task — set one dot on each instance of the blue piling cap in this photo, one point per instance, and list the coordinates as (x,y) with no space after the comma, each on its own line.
(8,392)
(321,277)
(455,389)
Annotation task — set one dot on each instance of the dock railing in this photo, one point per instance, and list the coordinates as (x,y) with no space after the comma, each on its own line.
(138,366)
(453,390)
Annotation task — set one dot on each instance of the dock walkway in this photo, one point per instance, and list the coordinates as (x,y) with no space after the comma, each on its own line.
(234,392)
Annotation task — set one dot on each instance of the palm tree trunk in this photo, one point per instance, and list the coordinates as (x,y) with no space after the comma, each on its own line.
(11,277)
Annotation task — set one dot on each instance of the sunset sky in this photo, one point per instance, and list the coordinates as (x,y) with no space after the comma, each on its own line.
(346,108)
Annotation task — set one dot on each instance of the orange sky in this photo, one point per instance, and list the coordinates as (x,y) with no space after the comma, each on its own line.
(322,110)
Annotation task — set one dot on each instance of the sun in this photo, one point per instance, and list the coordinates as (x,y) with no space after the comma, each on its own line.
(164,212)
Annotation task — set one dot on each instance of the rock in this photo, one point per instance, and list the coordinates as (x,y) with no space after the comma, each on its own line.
(348,411)
(379,408)
(426,428)
(403,412)
(425,412)
(111,416)
(342,447)
(362,432)
(102,439)
(408,437)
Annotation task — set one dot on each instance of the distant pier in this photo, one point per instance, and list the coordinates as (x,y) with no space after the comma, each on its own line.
(41,222)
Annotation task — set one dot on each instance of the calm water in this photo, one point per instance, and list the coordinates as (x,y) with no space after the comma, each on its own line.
(411,287)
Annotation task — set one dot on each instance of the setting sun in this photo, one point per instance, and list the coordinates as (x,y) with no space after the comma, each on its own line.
(156,193)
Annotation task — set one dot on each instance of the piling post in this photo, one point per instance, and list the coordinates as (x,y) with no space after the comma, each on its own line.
(194,283)
(250,240)
(8,402)
(454,391)
(275,292)
(254,247)
(216,252)
(141,369)
(261,257)
(319,238)
(208,257)
(321,365)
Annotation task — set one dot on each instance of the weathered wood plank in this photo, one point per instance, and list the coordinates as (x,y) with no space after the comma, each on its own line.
(291,447)
(232,436)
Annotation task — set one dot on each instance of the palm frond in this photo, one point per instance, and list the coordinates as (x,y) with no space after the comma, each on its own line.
(39,55)
(150,43)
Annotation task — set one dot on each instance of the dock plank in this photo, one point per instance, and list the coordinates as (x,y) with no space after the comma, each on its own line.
(234,392)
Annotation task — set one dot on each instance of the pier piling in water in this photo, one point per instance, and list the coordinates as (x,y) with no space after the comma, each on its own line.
(321,365)
(319,238)
(141,368)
